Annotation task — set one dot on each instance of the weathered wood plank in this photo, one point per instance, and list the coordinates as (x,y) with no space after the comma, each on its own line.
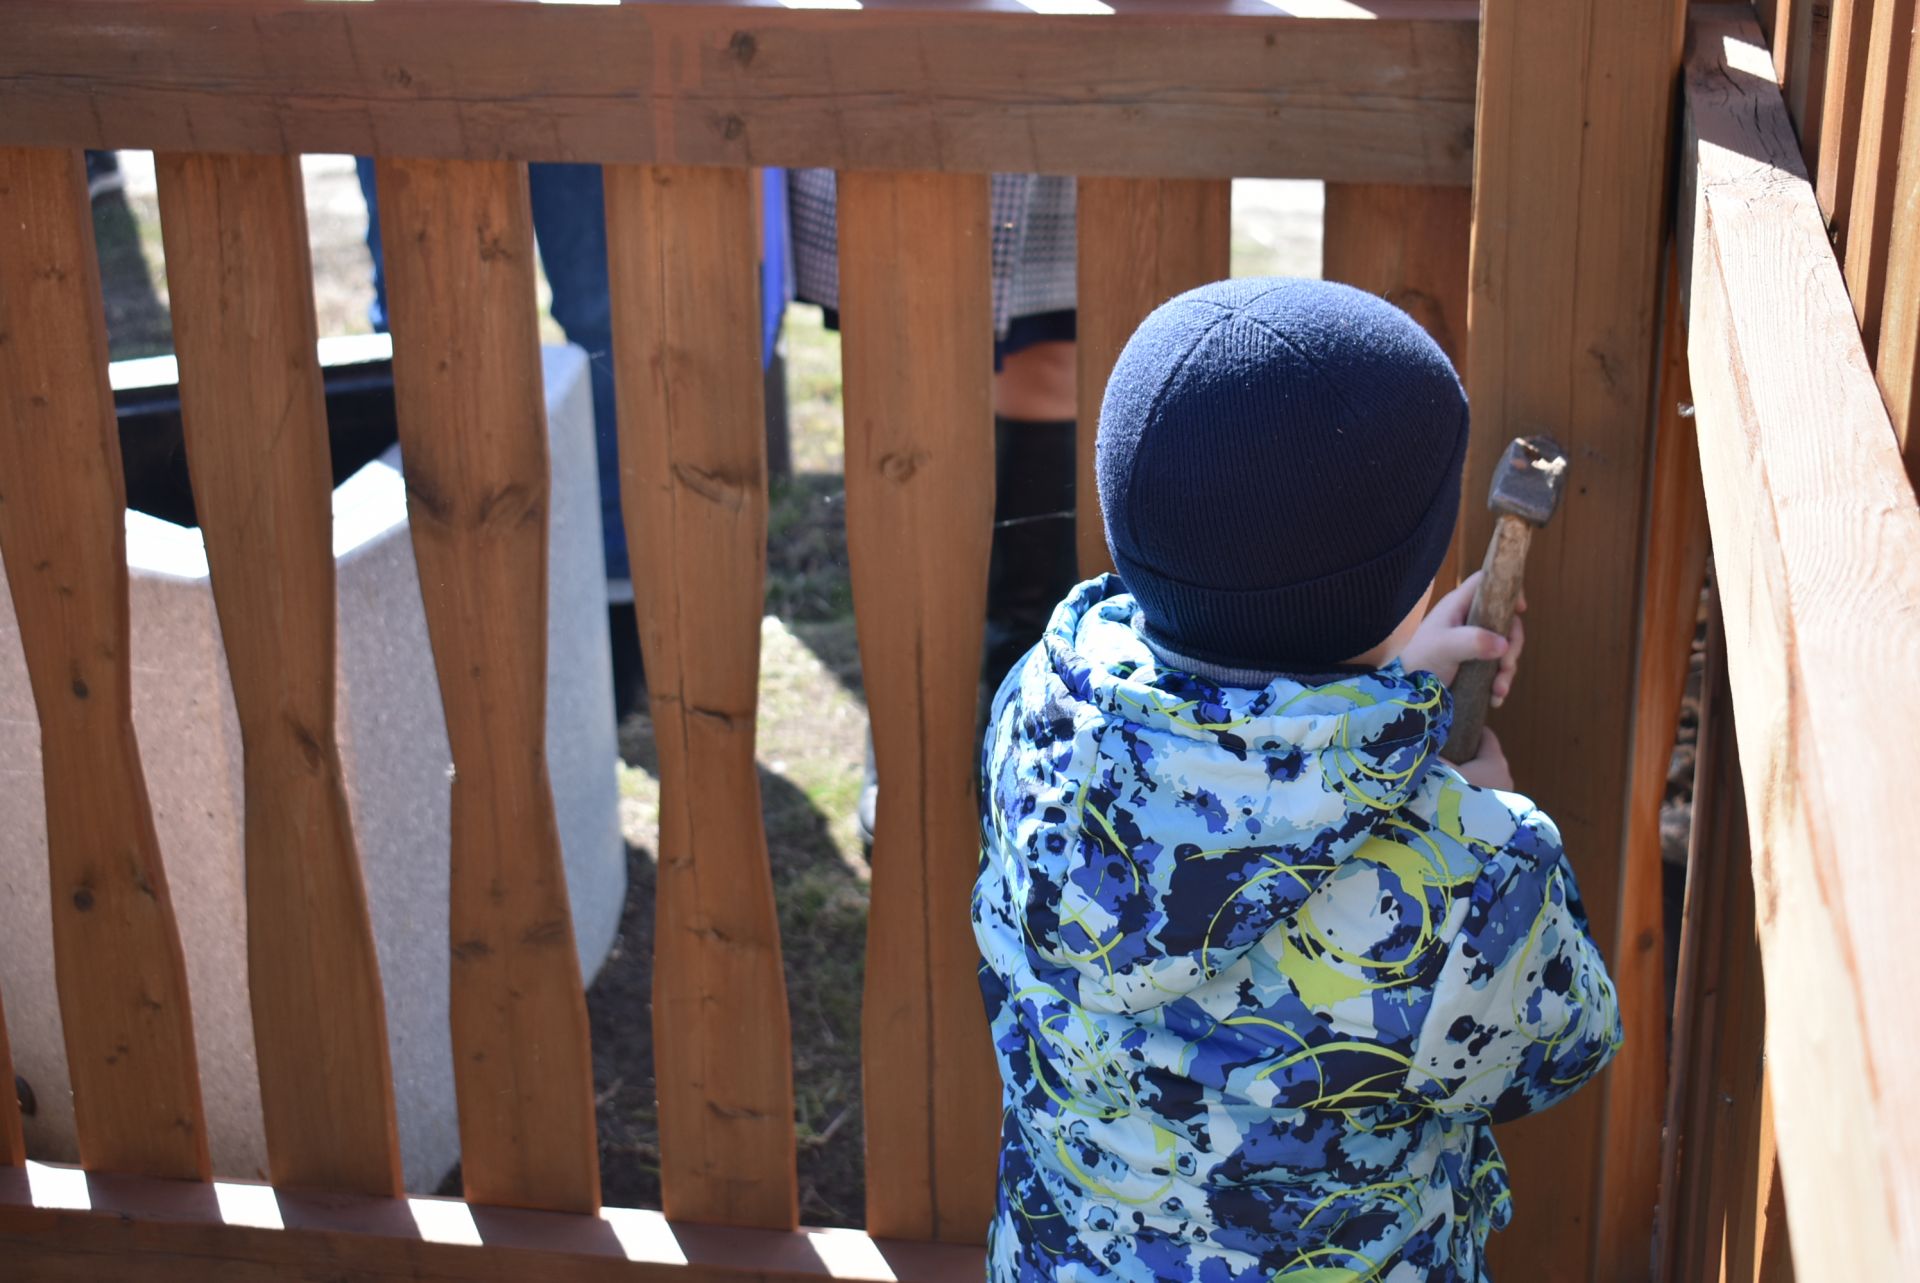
(1140,242)
(1897,365)
(58,1225)
(918,361)
(1817,542)
(1845,89)
(1877,155)
(1204,89)
(254,412)
(1408,245)
(683,252)
(118,966)
(472,416)
(1676,562)
(1565,272)
(13,1145)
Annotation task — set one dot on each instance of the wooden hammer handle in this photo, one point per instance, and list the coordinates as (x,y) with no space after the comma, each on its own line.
(1492,609)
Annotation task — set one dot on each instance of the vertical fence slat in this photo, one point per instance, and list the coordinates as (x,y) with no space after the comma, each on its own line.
(1574,99)
(918,361)
(254,413)
(118,965)
(1408,245)
(1806,71)
(472,415)
(1780,20)
(1870,214)
(1898,365)
(1845,89)
(1676,561)
(1720,1160)
(13,1145)
(1141,241)
(681,244)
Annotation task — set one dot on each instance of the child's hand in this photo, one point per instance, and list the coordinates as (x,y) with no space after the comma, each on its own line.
(1444,640)
(1489,768)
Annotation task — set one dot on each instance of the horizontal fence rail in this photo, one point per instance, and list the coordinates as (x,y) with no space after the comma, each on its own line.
(1206,89)
(1816,540)
(60,1223)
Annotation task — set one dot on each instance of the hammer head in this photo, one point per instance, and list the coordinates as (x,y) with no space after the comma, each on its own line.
(1528,482)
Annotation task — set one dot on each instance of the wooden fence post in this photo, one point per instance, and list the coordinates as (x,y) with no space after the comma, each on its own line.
(1569,186)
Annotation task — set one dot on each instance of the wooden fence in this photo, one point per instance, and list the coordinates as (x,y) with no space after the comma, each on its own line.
(1794,1145)
(1556,117)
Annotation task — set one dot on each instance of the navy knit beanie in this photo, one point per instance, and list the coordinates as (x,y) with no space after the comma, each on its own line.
(1279,466)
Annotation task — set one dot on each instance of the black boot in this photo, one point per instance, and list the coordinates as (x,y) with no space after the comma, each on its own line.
(1035,558)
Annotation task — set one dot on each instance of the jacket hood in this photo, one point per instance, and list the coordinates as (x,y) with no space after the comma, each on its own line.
(1258,795)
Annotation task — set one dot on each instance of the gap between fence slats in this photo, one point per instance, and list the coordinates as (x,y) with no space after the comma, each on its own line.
(472,418)
(1408,245)
(1845,90)
(1675,564)
(13,1146)
(62,1226)
(118,965)
(1897,365)
(1817,543)
(917,353)
(1870,212)
(683,253)
(254,414)
(1565,273)
(1140,242)
(1385,96)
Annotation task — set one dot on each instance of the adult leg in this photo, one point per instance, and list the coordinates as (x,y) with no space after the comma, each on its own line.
(377,313)
(1034,556)
(570,222)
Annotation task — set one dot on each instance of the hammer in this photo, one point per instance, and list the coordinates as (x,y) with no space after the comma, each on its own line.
(1526,490)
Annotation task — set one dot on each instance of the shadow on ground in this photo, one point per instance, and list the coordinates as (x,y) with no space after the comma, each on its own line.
(822,902)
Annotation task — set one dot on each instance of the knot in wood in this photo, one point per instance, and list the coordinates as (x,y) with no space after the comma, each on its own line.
(899,468)
(716,487)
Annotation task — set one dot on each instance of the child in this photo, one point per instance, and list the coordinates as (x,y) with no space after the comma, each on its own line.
(1261,967)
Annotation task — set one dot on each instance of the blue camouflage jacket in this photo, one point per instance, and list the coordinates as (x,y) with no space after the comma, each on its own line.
(1261,971)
